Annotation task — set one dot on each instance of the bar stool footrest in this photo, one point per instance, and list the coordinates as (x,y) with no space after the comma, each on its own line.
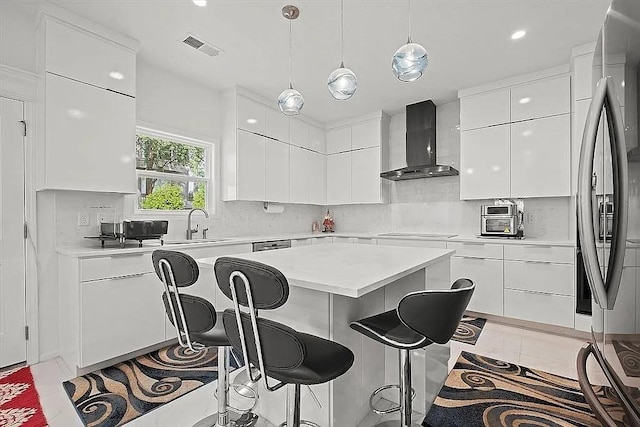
(380,390)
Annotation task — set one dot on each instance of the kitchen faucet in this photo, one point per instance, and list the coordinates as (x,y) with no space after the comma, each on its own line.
(190,231)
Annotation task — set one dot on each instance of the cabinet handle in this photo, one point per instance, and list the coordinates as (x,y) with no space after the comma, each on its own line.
(537,262)
(127,255)
(128,276)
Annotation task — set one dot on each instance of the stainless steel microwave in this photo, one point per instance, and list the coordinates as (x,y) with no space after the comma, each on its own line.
(499,220)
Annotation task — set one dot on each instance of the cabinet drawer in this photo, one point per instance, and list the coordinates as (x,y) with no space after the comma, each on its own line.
(413,243)
(125,264)
(301,242)
(343,240)
(119,316)
(321,240)
(539,277)
(558,254)
(487,276)
(543,308)
(479,250)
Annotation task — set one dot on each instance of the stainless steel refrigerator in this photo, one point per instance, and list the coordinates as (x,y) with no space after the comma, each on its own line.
(609,217)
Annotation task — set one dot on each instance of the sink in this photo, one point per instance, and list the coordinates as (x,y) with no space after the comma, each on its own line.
(427,235)
(194,241)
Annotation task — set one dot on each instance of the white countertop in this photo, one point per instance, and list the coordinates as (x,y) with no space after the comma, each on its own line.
(151,245)
(344,269)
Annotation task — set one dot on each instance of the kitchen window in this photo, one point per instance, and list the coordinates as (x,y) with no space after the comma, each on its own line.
(173,172)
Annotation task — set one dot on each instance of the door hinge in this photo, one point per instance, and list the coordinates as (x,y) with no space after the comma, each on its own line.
(26,333)
(24,127)
(26,230)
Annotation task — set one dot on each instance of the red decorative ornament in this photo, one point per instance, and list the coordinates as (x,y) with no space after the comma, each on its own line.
(328,223)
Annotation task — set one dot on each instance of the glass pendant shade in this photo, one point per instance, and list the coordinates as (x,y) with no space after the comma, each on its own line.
(290,102)
(409,62)
(342,83)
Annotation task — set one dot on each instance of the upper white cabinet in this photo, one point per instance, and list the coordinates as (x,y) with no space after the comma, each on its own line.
(529,154)
(81,55)
(541,142)
(357,156)
(339,140)
(89,109)
(300,178)
(548,97)
(276,171)
(251,167)
(485,166)
(89,135)
(317,139)
(252,116)
(318,178)
(582,76)
(486,109)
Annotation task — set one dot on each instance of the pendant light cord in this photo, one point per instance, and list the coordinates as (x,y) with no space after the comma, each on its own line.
(409,19)
(290,60)
(341,33)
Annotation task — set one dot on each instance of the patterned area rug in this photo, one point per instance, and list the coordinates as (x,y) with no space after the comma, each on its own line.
(629,356)
(120,393)
(480,391)
(469,330)
(19,401)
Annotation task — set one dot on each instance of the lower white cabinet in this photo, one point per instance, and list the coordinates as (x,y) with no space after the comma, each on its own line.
(539,307)
(416,243)
(120,315)
(539,277)
(487,276)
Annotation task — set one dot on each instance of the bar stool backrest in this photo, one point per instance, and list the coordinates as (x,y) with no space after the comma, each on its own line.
(187,313)
(270,346)
(436,313)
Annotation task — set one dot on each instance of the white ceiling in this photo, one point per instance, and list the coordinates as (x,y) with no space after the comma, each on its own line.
(468,43)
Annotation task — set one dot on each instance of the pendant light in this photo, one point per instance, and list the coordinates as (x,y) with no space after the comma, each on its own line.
(342,82)
(410,61)
(290,100)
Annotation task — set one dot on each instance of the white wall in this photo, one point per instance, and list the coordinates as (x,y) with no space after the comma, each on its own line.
(433,204)
(17,37)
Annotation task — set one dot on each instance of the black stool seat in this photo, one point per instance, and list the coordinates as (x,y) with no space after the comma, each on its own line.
(388,329)
(215,337)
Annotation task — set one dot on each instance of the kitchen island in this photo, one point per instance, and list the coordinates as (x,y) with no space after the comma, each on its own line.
(332,285)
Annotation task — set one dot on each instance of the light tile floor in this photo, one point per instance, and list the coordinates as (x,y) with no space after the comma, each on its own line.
(538,350)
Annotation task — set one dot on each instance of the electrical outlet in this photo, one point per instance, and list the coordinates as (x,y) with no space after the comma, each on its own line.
(83,219)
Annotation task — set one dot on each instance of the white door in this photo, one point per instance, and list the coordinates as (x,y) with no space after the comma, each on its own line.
(13,345)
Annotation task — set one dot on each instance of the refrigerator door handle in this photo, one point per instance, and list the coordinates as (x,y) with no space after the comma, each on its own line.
(589,395)
(615,124)
(585,197)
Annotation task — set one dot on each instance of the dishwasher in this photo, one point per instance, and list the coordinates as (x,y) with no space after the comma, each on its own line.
(271,245)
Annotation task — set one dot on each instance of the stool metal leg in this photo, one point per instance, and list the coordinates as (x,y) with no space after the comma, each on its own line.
(221,418)
(405,388)
(293,405)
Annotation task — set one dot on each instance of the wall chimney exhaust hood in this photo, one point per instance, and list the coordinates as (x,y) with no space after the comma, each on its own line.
(421,146)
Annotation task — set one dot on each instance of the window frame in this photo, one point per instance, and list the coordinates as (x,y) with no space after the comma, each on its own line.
(209,150)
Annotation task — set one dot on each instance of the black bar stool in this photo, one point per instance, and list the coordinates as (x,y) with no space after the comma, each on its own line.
(195,320)
(421,319)
(276,350)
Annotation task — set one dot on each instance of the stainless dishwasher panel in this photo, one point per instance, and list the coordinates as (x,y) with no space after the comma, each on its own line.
(271,245)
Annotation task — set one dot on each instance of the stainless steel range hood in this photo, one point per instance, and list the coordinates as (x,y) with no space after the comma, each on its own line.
(421,146)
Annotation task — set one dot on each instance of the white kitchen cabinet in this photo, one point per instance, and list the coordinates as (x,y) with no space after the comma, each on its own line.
(276,171)
(540,253)
(485,109)
(339,239)
(339,178)
(252,116)
(317,139)
(250,166)
(485,163)
(87,57)
(120,315)
(366,134)
(487,275)
(89,135)
(365,176)
(582,77)
(539,307)
(413,243)
(547,97)
(317,178)
(299,132)
(321,240)
(277,125)
(339,140)
(476,249)
(540,157)
(300,177)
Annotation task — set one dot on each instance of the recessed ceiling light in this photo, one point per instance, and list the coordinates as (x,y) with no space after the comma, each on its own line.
(252,121)
(201,3)
(518,34)
(525,100)
(116,75)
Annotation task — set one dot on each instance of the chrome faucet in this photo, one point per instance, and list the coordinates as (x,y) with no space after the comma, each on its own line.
(190,231)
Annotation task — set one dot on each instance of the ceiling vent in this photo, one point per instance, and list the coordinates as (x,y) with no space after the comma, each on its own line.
(201,45)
